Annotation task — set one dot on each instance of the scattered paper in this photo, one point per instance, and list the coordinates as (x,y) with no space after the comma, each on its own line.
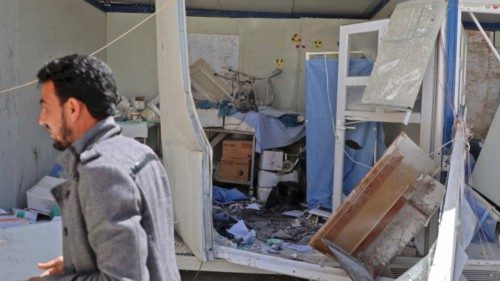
(240,231)
(253,206)
(294,213)
(296,247)
(3,212)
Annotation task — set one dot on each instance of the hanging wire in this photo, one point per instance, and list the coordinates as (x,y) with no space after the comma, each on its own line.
(199,270)
(100,49)
(439,149)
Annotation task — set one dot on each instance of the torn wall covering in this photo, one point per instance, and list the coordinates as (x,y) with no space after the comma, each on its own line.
(482,85)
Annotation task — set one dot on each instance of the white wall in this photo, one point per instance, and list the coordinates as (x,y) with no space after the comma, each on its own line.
(31,33)
(261,42)
(133,58)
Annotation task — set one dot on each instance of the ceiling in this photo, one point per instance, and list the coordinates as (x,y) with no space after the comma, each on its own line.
(357,9)
(354,9)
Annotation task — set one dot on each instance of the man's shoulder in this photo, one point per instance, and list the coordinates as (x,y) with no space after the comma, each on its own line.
(118,151)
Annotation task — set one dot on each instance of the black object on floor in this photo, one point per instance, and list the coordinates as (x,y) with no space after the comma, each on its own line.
(285,193)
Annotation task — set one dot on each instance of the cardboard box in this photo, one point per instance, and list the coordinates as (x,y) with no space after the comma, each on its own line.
(39,197)
(271,160)
(235,169)
(237,149)
(139,103)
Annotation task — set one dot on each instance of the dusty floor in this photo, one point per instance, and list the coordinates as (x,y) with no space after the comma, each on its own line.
(218,276)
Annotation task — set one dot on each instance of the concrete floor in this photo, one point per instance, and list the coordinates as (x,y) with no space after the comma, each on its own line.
(218,276)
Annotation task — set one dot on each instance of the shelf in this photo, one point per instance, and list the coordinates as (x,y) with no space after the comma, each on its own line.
(233,182)
(222,130)
(389,117)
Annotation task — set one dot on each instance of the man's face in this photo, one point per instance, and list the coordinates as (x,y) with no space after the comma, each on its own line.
(53,117)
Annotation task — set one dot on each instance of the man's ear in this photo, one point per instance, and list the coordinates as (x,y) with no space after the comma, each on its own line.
(73,108)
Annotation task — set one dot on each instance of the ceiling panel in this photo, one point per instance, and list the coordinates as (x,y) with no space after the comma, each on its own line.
(149,2)
(330,8)
(344,7)
(203,4)
(269,6)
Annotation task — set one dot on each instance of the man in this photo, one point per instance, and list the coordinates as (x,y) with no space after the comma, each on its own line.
(116,206)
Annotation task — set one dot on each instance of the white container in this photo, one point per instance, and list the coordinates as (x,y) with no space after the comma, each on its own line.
(271,179)
(263,193)
(271,160)
(39,197)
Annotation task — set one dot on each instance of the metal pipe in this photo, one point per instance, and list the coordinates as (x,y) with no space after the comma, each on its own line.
(471,14)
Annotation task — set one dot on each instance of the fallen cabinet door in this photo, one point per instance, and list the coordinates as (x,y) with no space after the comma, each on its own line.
(387,208)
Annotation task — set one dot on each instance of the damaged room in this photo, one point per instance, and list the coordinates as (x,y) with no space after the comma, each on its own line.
(249,140)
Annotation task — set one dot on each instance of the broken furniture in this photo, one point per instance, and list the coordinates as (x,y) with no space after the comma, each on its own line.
(207,84)
(216,136)
(387,209)
(351,110)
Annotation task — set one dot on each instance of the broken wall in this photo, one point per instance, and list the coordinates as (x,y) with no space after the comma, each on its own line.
(31,33)
(261,41)
(482,91)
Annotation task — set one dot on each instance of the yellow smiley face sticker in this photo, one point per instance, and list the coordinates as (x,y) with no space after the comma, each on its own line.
(317,44)
(278,63)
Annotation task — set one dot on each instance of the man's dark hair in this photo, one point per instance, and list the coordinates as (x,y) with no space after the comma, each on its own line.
(84,78)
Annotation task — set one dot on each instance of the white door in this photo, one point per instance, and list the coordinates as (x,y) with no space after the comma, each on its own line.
(187,155)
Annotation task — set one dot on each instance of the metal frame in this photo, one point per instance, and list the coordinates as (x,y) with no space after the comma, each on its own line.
(444,261)
(147,8)
(424,118)
(282,265)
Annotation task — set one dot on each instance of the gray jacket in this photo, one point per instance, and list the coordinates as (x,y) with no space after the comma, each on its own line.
(116,210)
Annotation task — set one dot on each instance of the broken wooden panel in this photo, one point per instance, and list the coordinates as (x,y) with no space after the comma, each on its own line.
(207,84)
(412,216)
(387,208)
(404,54)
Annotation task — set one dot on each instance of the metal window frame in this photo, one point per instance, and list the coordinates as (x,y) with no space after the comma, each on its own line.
(429,110)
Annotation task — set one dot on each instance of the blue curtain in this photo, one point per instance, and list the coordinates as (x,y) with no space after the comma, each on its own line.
(320,111)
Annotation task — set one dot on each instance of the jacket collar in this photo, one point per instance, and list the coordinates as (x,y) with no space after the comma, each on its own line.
(104,129)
